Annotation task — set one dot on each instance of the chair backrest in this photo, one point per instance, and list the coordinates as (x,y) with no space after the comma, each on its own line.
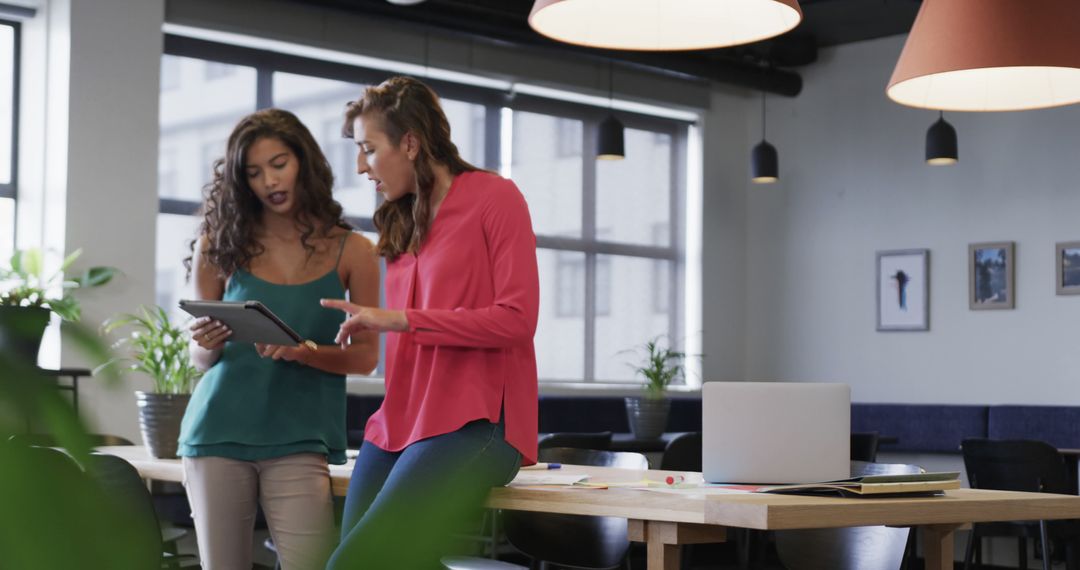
(574,540)
(683,453)
(85,517)
(579,440)
(123,484)
(864,446)
(856,548)
(1016,465)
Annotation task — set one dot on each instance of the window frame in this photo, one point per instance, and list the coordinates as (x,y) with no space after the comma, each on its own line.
(267,63)
(10,189)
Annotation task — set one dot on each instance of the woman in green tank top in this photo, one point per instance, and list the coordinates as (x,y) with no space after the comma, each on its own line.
(265,421)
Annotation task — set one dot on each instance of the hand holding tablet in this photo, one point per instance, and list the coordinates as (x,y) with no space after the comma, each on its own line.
(210,333)
(247,321)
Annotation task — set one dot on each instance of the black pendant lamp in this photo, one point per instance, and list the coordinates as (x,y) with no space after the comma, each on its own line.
(941,148)
(764,161)
(609,141)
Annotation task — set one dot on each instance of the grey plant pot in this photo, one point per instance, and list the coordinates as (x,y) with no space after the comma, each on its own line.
(647,416)
(159,421)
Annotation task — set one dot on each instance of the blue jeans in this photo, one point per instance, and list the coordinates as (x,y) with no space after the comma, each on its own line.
(403,507)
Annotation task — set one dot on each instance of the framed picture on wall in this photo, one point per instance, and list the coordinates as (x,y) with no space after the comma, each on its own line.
(1067,262)
(903,290)
(991,276)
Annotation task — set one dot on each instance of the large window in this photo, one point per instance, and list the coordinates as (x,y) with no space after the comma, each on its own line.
(9,109)
(201,101)
(610,257)
(612,277)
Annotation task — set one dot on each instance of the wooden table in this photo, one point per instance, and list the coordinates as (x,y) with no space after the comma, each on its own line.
(665,520)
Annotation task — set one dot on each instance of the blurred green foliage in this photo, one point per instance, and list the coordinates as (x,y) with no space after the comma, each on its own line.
(50,517)
(23,283)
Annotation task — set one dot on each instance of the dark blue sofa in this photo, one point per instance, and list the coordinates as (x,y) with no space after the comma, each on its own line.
(557,413)
(921,428)
(1057,425)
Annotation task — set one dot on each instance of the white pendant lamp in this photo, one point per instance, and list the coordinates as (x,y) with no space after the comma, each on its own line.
(663,25)
(990,55)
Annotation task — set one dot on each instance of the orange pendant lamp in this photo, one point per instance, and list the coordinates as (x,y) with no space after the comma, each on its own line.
(990,55)
(663,25)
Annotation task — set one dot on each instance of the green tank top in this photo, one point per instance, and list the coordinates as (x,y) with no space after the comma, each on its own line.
(252,408)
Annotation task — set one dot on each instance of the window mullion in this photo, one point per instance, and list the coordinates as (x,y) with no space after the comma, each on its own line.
(16,86)
(676,237)
(492,137)
(264,87)
(588,234)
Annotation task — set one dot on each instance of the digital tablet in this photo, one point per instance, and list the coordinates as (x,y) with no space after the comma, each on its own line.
(250,321)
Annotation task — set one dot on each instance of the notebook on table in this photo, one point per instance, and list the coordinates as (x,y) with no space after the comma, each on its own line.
(775,432)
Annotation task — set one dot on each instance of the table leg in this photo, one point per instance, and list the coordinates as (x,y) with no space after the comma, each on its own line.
(662,540)
(75,393)
(938,545)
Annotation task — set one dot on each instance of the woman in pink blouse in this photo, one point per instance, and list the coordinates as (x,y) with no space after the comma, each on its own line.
(462,296)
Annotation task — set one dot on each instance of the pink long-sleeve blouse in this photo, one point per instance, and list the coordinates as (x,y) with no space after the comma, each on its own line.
(471,296)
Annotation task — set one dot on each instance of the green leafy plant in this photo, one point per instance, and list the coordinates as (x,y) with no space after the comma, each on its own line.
(23,283)
(156,347)
(661,365)
(39,500)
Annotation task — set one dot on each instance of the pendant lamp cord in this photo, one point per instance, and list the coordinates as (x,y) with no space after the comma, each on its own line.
(427,53)
(611,84)
(762,115)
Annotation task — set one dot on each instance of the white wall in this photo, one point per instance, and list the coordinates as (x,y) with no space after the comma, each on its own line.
(853,182)
(100,106)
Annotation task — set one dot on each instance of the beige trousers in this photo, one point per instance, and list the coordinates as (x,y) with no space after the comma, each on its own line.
(294,492)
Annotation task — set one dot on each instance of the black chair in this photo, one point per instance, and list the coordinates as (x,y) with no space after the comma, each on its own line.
(170,499)
(864,446)
(123,489)
(855,548)
(124,484)
(683,453)
(577,440)
(1020,465)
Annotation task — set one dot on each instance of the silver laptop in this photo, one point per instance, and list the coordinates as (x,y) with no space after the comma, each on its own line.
(775,432)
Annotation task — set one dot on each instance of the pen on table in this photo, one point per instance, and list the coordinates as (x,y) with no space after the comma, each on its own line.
(538,466)
(674,479)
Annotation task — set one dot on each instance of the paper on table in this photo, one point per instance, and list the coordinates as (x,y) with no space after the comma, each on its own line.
(700,490)
(547,478)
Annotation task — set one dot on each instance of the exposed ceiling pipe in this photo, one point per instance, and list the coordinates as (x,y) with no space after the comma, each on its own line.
(709,66)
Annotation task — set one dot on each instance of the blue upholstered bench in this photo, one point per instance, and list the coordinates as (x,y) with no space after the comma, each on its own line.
(557,413)
(935,428)
(608,413)
(1057,425)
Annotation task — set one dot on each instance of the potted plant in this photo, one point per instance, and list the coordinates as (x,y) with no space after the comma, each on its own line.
(159,349)
(27,298)
(660,366)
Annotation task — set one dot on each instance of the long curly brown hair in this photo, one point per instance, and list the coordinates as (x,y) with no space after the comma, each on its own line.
(407,105)
(231,211)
